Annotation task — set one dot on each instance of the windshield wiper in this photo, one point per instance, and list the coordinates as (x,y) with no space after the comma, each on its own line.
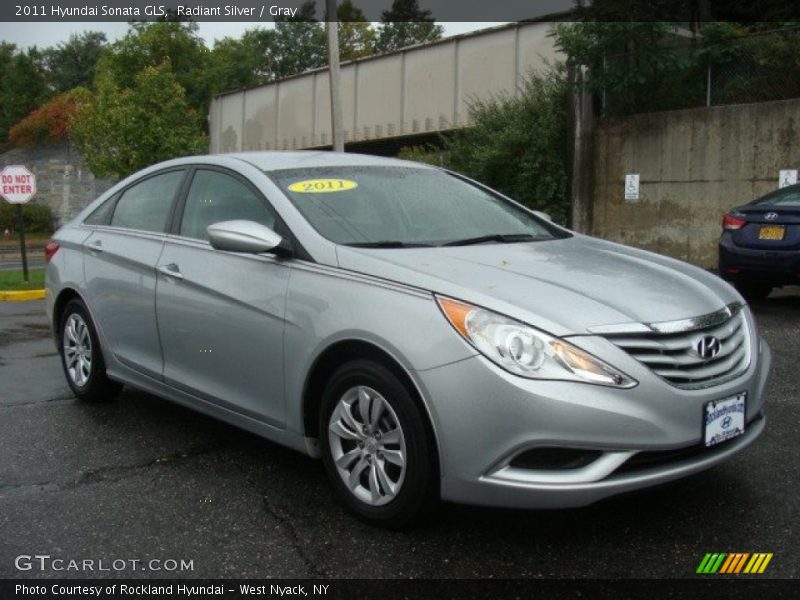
(388,244)
(504,238)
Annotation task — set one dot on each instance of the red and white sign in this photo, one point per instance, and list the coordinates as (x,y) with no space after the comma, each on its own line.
(17,184)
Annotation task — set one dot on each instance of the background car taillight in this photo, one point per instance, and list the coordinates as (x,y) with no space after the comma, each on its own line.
(50,249)
(731,222)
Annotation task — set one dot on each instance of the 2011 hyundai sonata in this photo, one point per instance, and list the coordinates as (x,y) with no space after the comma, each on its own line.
(424,335)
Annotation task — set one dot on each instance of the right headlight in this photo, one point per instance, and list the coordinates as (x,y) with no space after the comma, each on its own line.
(526,351)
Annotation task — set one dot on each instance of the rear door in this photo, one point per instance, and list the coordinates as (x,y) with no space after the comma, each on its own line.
(221,314)
(120,258)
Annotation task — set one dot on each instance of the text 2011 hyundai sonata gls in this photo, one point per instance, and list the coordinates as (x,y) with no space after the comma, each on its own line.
(426,336)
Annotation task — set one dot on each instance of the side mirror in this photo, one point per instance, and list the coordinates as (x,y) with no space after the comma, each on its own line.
(543,215)
(244,236)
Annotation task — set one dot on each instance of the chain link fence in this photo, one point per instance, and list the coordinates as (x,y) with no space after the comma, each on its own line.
(753,68)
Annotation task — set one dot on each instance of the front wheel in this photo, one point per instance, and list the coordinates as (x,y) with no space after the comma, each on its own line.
(82,357)
(376,447)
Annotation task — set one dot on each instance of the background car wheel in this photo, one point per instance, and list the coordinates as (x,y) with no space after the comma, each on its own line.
(376,447)
(81,356)
(754,291)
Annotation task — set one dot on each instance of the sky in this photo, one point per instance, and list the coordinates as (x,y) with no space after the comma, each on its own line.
(50,34)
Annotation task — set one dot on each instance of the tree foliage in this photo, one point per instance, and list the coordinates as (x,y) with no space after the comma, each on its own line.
(126,129)
(51,121)
(406,24)
(237,63)
(72,64)
(357,38)
(298,43)
(517,145)
(649,66)
(23,86)
(153,45)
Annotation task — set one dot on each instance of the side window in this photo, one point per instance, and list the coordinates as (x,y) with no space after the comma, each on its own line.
(146,205)
(215,197)
(102,214)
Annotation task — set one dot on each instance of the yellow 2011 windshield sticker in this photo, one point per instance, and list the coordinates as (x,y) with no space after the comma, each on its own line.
(322,186)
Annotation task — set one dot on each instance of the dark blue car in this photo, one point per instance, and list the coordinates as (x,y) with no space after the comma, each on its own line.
(760,244)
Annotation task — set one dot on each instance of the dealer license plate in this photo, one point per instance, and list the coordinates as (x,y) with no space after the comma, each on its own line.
(724,419)
(771,232)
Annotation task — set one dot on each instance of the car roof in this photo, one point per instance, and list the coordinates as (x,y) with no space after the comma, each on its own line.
(298,159)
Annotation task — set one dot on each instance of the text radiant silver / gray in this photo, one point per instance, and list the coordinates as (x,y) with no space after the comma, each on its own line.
(425,336)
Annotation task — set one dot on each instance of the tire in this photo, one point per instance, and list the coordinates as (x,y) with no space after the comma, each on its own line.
(384,492)
(82,357)
(754,291)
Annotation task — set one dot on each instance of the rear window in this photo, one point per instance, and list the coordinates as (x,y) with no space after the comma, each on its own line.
(102,214)
(146,205)
(789,196)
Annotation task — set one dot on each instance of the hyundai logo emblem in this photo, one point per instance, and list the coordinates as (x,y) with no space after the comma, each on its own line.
(771,216)
(707,347)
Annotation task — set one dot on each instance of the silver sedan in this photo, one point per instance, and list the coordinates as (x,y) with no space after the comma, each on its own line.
(424,335)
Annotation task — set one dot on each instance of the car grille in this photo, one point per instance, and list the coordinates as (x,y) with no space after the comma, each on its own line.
(673,356)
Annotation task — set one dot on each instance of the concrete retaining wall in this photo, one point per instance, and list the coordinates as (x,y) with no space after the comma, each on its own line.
(63,181)
(694,165)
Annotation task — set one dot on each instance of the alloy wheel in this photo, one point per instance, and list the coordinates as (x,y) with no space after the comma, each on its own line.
(77,349)
(367,445)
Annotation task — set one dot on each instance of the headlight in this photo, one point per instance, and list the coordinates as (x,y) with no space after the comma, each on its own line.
(526,351)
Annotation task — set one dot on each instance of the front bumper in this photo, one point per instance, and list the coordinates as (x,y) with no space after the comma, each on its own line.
(486,418)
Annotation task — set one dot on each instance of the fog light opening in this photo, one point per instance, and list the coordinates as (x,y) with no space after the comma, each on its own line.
(554,459)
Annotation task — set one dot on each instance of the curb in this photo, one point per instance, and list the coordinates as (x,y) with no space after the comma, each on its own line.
(20,296)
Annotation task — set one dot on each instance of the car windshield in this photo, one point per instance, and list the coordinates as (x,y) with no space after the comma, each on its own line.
(396,207)
(785,197)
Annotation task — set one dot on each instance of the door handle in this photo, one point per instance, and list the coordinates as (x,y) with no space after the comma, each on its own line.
(96,246)
(171,270)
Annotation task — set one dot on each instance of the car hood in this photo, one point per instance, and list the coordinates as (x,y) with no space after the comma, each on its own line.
(564,286)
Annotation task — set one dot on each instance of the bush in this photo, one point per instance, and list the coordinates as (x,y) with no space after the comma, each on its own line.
(424,154)
(517,145)
(38,218)
(51,121)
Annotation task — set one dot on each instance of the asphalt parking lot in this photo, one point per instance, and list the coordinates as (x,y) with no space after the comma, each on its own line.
(143,479)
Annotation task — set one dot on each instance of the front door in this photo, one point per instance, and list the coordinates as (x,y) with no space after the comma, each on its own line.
(221,314)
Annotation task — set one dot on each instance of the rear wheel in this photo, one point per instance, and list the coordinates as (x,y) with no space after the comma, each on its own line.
(754,291)
(81,356)
(376,447)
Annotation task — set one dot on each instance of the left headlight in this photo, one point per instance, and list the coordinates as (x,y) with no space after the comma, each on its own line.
(526,351)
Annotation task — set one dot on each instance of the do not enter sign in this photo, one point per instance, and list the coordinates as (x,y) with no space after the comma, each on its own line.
(17,184)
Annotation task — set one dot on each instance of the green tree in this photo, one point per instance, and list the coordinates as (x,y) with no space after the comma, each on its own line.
(23,87)
(405,24)
(126,129)
(517,144)
(298,43)
(294,45)
(356,36)
(635,66)
(72,63)
(237,63)
(156,44)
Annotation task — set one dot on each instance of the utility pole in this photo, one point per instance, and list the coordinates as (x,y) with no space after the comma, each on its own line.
(332,27)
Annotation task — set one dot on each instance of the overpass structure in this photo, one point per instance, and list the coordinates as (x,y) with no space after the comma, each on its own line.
(398,96)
